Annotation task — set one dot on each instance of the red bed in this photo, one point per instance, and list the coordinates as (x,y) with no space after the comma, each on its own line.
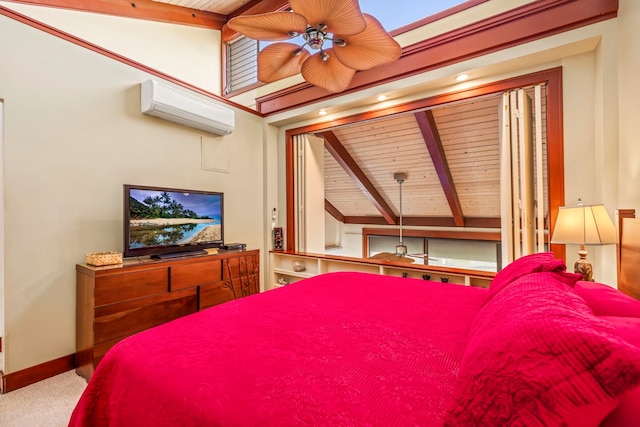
(355,349)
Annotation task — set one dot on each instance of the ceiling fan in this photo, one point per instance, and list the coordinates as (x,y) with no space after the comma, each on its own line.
(358,42)
(401,254)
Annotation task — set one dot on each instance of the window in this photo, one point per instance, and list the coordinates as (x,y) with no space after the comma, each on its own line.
(242,66)
(469,254)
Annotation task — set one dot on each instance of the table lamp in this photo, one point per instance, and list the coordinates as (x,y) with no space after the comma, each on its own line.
(584,225)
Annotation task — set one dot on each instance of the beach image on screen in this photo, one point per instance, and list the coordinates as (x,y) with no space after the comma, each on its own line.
(163,218)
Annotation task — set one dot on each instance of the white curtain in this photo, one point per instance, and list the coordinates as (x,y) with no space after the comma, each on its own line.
(521,174)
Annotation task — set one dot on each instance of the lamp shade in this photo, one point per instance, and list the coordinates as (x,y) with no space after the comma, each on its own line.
(584,225)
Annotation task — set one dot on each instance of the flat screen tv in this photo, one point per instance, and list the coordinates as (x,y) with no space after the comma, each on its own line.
(165,222)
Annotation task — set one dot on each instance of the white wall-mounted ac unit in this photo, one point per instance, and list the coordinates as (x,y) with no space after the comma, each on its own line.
(180,106)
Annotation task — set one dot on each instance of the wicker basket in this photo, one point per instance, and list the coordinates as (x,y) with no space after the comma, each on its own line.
(104,258)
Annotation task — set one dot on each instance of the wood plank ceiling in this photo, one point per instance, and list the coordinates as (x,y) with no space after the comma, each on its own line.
(451,156)
(223,7)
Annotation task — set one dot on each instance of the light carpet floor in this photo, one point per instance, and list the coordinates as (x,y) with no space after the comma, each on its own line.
(48,403)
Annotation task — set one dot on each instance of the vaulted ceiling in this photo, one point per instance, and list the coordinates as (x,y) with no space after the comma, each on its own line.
(223,7)
(449,153)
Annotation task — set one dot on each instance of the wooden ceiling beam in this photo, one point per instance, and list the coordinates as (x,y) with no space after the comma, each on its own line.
(140,9)
(344,159)
(427,125)
(333,211)
(255,7)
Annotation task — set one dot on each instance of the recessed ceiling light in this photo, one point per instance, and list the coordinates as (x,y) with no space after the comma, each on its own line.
(322,112)
(462,77)
(382,97)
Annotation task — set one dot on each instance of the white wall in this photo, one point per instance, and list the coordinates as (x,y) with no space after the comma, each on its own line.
(2,252)
(73,136)
(628,164)
(187,53)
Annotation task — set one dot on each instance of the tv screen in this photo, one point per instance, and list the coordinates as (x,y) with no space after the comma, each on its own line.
(171,221)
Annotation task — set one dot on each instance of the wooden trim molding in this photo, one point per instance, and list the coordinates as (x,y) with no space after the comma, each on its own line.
(25,377)
(555,146)
(530,22)
(489,236)
(115,56)
(139,9)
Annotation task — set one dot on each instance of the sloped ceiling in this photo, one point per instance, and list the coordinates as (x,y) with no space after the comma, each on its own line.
(450,154)
(223,7)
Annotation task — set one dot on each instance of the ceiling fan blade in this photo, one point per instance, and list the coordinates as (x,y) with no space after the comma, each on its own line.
(388,256)
(371,48)
(279,60)
(340,16)
(422,256)
(271,26)
(331,74)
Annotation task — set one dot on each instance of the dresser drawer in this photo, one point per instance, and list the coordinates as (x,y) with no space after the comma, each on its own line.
(128,286)
(216,293)
(119,320)
(191,275)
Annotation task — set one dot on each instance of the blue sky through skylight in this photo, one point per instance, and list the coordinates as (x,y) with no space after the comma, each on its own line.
(397,13)
(402,12)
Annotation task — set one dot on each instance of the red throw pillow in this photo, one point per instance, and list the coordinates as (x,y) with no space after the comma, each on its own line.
(627,413)
(537,356)
(528,264)
(627,327)
(607,301)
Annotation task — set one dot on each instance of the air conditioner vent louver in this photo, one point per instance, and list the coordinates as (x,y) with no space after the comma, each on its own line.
(180,106)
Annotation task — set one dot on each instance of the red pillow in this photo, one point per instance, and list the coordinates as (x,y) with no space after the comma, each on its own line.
(607,301)
(528,264)
(627,327)
(537,356)
(627,413)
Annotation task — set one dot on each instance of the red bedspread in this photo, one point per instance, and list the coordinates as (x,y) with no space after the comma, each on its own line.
(338,349)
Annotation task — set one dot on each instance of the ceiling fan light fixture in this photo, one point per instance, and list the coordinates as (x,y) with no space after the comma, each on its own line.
(340,42)
(359,42)
(314,37)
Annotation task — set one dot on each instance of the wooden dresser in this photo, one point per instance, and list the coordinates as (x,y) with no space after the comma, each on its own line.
(113,302)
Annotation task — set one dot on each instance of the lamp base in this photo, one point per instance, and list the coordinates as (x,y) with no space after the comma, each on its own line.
(582,266)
